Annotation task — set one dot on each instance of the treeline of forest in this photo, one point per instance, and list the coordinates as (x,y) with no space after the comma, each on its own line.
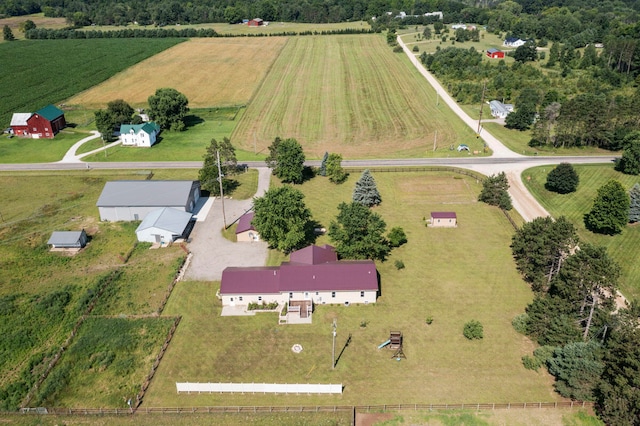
(578,99)
(519,15)
(71,33)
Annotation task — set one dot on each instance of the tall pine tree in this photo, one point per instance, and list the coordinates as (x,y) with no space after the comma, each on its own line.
(634,209)
(366,191)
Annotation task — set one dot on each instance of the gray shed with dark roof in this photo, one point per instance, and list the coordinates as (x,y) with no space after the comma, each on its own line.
(68,239)
(129,200)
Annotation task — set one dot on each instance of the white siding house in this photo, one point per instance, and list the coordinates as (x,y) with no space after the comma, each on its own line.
(142,135)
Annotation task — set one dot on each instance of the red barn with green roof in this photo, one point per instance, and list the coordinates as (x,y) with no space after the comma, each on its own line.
(46,122)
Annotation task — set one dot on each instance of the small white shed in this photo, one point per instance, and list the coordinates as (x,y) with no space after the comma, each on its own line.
(163,226)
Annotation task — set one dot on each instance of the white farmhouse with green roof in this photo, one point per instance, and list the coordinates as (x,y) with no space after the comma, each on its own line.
(139,134)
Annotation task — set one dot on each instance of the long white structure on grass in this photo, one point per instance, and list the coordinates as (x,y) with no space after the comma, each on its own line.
(258,388)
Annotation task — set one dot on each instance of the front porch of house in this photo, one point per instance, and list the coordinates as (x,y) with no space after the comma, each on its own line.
(297,312)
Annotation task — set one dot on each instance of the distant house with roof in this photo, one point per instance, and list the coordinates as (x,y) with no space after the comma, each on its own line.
(313,275)
(444,219)
(143,135)
(500,110)
(255,22)
(513,42)
(495,53)
(68,240)
(164,226)
(44,123)
(128,200)
(245,230)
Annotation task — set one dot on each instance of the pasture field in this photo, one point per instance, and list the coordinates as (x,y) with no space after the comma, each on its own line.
(624,248)
(209,71)
(42,294)
(202,126)
(352,95)
(453,275)
(546,417)
(39,19)
(58,69)
(244,29)
(412,37)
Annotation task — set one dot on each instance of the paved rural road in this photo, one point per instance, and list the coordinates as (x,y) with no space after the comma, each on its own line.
(212,252)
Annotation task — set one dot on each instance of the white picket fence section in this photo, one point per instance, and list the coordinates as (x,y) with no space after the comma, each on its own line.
(258,388)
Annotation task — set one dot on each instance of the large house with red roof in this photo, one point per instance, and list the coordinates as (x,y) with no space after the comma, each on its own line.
(313,275)
(44,123)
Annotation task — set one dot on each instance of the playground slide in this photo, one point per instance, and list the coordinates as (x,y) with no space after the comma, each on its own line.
(382,345)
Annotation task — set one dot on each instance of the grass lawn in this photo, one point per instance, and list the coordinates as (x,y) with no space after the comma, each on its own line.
(191,144)
(352,95)
(26,150)
(624,248)
(453,275)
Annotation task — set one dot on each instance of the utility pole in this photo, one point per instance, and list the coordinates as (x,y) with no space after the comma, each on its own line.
(484,87)
(220,176)
(333,350)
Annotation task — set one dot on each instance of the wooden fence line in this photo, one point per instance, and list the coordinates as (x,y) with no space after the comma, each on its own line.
(408,169)
(311,408)
(67,342)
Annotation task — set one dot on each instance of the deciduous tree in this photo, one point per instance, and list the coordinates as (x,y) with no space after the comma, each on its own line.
(526,52)
(366,190)
(359,233)
(121,111)
(7,33)
(208,174)
(168,108)
(286,158)
(630,161)
(494,191)
(334,169)
(563,179)
(105,123)
(610,211)
(283,220)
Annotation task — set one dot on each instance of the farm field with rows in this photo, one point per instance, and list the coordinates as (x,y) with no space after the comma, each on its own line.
(352,95)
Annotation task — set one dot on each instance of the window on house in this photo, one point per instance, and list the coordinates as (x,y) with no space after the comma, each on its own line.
(240,298)
(231,299)
(317,293)
(290,295)
(362,294)
(333,294)
(259,298)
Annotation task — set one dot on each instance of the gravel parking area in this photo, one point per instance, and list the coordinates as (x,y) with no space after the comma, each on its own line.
(211,251)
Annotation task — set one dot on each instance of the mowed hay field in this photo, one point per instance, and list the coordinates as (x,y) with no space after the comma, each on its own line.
(210,72)
(352,95)
(453,275)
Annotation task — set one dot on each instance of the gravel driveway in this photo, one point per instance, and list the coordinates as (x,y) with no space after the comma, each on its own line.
(211,251)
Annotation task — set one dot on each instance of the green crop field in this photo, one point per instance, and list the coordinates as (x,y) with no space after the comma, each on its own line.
(38,73)
(624,248)
(453,275)
(351,95)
